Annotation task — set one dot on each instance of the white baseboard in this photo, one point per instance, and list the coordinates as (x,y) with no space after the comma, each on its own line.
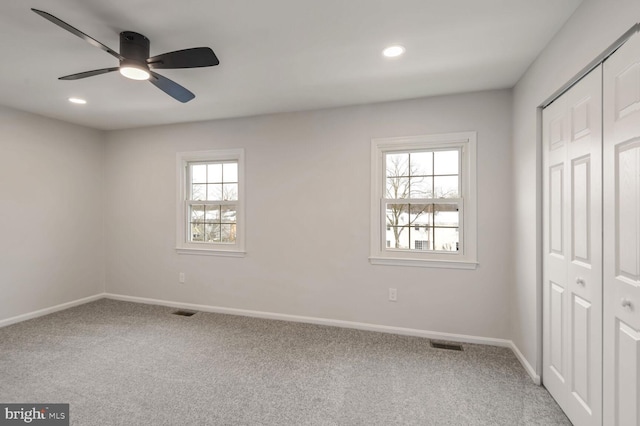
(529,369)
(52,309)
(462,338)
(320,321)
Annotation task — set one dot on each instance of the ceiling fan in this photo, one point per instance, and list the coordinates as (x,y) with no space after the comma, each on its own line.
(136,64)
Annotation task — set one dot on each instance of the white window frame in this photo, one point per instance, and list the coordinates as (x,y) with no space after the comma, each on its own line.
(183,245)
(466,258)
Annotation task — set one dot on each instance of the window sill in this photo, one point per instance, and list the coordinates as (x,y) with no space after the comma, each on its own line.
(424,263)
(210,252)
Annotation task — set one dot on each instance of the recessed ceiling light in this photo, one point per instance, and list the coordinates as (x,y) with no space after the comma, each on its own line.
(393,51)
(77,101)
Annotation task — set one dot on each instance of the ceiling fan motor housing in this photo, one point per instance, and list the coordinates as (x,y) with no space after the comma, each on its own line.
(134,48)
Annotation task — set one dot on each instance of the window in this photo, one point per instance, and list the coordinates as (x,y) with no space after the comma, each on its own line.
(423,206)
(422,245)
(210,209)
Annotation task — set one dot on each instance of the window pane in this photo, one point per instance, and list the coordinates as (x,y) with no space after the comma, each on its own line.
(445,239)
(445,162)
(421,163)
(198,173)
(423,221)
(421,187)
(398,237)
(212,214)
(421,214)
(422,245)
(214,174)
(446,186)
(214,192)
(228,214)
(397,164)
(447,215)
(230,191)
(196,233)
(212,233)
(197,214)
(397,214)
(228,233)
(198,192)
(230,172)
(397,188)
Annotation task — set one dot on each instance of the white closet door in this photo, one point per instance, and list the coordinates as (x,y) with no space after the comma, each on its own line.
(621,162)
(572,241)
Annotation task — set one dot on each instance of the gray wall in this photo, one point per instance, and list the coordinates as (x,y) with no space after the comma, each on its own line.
(307,214)
(51,215)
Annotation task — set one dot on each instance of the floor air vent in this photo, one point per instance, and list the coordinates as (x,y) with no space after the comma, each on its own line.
(446,345)
(184,313)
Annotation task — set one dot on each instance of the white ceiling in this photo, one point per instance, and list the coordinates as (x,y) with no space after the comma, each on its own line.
(275,56)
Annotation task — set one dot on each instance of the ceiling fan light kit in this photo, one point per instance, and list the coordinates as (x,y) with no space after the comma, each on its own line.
(136,64)
(133,70)
(135,49)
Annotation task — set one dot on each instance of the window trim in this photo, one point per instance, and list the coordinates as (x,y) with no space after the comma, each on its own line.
(201,248)
(380,254)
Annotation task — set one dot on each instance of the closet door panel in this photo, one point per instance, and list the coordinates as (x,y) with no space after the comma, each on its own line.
(621,164)
(584,267)
(628,349)
(556,131)
(581,209)
(572,241)
(580,348)
(627,170)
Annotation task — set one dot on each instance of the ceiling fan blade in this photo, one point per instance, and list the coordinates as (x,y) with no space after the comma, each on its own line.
(171,88)
(88,74)
(77,32)
(187,58)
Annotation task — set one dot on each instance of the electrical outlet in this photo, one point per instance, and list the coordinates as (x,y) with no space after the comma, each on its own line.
(181,277)
(393,294)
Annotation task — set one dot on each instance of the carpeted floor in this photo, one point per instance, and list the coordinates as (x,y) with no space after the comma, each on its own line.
(120,363)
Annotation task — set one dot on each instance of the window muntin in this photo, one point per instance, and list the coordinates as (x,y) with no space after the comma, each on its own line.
(423,201)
